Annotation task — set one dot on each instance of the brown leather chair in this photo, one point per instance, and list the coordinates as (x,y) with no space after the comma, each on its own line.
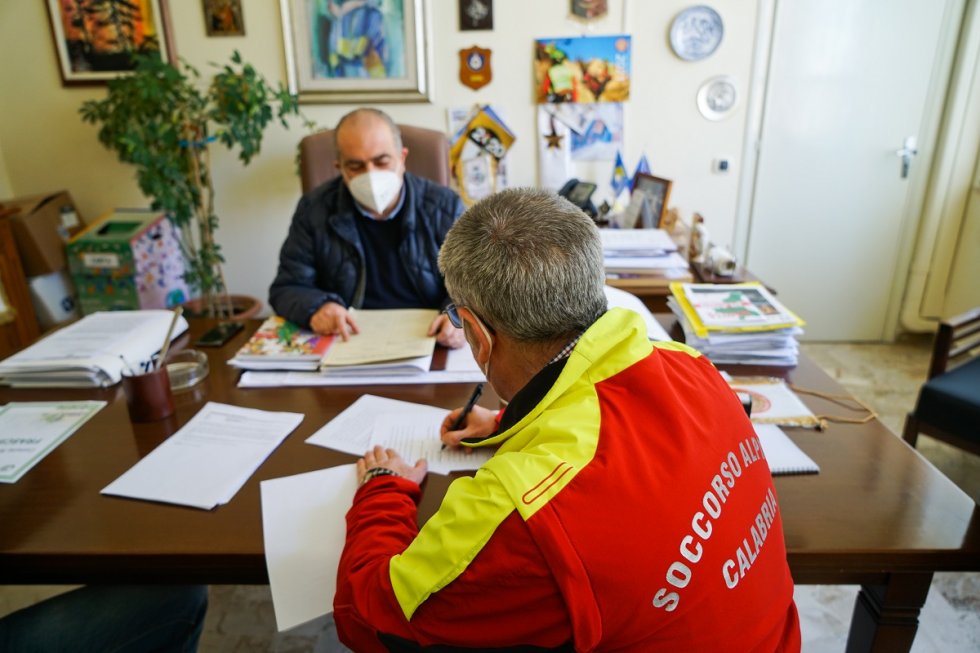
(948,408)
(428,156)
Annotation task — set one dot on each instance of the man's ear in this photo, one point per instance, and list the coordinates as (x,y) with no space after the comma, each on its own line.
(479,337)
(404,155)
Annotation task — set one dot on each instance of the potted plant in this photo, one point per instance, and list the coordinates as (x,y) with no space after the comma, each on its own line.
(163,121)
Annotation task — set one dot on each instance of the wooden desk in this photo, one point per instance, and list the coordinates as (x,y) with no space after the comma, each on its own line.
(878,514)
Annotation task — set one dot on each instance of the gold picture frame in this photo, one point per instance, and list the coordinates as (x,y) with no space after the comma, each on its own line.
(370,52)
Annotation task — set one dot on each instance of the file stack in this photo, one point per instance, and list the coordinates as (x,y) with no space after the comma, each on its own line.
(642,257)
(736,323)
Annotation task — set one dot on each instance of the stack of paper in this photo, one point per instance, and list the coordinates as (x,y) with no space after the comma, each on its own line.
(642,257)
(208,460)
(389,342)
(91,352)
(736,323)
(410,429)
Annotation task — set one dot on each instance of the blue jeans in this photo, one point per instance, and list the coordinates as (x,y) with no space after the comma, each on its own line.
(109,619)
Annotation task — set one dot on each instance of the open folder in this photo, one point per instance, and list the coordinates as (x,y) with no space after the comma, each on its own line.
(390,341)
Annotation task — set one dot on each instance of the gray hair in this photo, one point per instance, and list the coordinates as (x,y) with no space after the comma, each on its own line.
(528,262)
(396,134)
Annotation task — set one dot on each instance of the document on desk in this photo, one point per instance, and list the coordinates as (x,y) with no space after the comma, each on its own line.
(253,379)
(410,429)
(30,430)
(207,461)
(384,335)
(303,530)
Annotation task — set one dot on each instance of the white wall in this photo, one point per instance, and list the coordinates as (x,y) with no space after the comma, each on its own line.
(46,146)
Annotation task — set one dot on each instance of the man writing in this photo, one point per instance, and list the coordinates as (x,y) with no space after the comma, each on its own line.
(368,239)
(628,506)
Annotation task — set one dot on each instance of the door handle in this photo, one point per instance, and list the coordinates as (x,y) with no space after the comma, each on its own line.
(907,151)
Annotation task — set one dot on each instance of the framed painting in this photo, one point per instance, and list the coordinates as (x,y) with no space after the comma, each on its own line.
(224,18)
(96,39)
(657,191)
(355,51)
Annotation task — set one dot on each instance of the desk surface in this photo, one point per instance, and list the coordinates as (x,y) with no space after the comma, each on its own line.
(875,509)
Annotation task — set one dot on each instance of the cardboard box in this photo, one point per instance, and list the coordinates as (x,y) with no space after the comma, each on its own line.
(127,260)
(41,228)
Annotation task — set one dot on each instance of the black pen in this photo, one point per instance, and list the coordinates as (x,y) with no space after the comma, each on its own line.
(477,391)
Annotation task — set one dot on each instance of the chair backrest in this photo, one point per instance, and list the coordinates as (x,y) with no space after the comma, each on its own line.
(957,341)
(428,156)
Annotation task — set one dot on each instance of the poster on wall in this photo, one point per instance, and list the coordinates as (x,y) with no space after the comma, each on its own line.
(478,149)
(352,51)
(95,40)
(600,134)
(582,69)
(554,149)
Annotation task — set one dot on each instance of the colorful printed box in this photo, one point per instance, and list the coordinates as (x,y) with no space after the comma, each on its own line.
(127,260)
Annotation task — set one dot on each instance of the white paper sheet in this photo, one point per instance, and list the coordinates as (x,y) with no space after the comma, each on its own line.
(208,460)
(410,429)
(461,360)
(670,261)
(291,379)
(626,240)
(303,530)
(30,430)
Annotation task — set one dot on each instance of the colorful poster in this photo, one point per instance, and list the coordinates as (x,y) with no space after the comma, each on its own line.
(602,135)
(582,69)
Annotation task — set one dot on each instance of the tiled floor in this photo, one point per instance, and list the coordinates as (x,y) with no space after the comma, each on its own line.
(887,376)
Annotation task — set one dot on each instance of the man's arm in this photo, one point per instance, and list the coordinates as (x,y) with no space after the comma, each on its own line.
(505,596)
(294,294)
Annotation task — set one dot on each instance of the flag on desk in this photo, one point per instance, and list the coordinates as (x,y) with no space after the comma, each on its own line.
(642,167)
(619,179)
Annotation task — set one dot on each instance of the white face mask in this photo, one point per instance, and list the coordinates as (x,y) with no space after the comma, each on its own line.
(375,190)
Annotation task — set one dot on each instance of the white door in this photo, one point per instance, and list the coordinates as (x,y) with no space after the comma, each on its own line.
(848,84)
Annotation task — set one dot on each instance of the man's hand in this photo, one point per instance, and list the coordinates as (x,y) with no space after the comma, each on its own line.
(446,334)
(480,423)
(389,459)
(333,319)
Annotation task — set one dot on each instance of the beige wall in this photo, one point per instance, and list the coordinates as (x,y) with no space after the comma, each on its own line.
(46,146)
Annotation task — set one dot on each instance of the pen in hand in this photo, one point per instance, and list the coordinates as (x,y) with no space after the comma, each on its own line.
(461,419)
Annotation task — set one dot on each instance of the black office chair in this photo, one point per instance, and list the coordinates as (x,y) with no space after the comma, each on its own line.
(948,408)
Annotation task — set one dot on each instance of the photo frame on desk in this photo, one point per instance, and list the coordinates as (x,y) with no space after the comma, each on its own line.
(94,42)
(657,189)
(366,52)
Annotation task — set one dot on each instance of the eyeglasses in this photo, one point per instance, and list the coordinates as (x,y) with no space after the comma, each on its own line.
(452,312)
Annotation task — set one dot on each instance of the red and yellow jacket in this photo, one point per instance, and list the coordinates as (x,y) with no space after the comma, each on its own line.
(628,508)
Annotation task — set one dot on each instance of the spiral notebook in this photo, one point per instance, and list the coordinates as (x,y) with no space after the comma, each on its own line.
(782,454)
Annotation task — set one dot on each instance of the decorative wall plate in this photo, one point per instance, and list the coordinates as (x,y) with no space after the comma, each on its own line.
(717,97)
(696,33)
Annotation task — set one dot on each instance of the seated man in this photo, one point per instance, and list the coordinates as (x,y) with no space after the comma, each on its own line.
(628,506)
(368,239)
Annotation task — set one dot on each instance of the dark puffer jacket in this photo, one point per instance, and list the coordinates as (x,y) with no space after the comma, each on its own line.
(322,259)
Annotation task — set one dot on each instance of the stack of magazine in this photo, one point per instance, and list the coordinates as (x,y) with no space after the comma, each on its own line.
(739,323)
(389,342)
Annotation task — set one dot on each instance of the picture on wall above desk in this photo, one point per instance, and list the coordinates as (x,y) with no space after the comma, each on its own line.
(589,9)
(475,15)
(94,41)
(582,69)
(351,51)
(224,18)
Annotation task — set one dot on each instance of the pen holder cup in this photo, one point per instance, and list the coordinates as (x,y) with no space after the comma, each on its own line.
(148,396)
